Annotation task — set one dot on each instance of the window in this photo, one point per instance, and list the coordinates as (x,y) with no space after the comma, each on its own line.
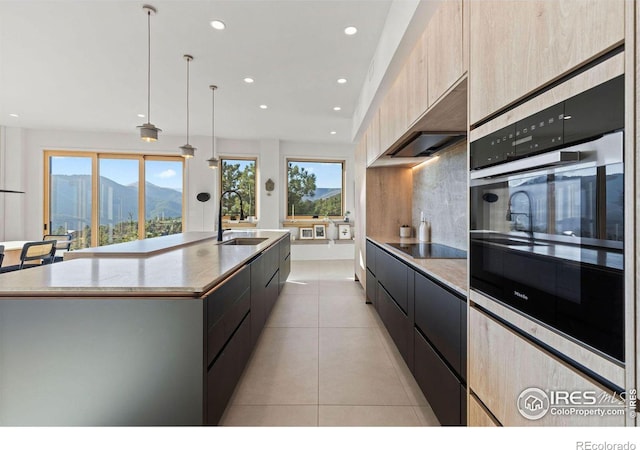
(238,174)
(99,198)
(315,188)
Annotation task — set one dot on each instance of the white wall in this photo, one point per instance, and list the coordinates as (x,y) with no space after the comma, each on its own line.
(22,164)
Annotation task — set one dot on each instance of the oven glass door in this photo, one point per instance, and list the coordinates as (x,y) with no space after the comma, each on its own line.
(549,243)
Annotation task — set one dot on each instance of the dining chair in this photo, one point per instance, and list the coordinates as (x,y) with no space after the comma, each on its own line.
(63,244)
(42,251)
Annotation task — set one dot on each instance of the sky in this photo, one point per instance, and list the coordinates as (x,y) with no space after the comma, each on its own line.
(122,171)
(328,175)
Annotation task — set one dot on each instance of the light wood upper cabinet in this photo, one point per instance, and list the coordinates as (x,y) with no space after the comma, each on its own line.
(443,40)
(516,47)
(373,148)
(417,81)
(393,112)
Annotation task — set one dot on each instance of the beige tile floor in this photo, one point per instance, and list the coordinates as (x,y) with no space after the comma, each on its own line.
(324,359)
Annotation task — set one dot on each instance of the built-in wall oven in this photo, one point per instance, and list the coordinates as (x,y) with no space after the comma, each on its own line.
(546,216)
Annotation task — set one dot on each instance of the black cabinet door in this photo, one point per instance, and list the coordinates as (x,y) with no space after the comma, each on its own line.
(440,386)
(258,298)
(392,274)
(226,306)
(395,321)
(438,316)
(372,284)
(271,263)
(271,294)
(370,250)
(223,376)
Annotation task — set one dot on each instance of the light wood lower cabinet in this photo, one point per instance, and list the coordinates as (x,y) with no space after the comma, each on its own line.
(502,364)
(478,415)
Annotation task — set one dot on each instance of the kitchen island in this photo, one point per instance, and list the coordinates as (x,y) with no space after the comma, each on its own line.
(153,332)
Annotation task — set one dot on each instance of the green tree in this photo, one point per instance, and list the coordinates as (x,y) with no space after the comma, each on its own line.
(243,181)
(301,184)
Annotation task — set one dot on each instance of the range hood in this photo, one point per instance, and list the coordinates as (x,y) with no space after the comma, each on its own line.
(427,144)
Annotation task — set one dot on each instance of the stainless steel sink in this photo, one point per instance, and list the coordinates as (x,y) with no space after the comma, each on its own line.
(244,241)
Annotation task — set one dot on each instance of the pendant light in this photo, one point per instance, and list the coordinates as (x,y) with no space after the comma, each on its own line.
(213,161)
(148,131)
(187,149)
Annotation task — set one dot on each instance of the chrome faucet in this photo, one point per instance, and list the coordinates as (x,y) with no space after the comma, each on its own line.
(220,211)
(529,215)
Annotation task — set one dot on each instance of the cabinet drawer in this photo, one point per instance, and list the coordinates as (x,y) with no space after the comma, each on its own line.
(372,283)
(395,321)
(225,373)
(271,263)
(271,295)
(502,364)
(258,295)
(371,257)
(478,416)
(392,274)
(439,315)
(226,307)
(285,270)
(440,386)
(285,247)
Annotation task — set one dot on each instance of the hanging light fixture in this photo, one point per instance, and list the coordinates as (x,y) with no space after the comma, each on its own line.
(187,149)
(148,131)
(213,161)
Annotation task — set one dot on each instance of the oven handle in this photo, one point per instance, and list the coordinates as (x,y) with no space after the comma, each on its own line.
(556,158)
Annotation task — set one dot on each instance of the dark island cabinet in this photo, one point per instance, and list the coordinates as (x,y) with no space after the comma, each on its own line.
(236,311)
(428,324)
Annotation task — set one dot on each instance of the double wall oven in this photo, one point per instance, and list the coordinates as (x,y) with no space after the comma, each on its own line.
(547,218)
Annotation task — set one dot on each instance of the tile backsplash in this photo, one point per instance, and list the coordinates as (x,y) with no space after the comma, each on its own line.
(440,190)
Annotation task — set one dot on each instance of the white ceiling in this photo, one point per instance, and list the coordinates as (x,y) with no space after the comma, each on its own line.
(82,65)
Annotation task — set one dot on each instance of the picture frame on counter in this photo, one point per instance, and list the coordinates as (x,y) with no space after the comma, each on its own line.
(344,231)
(319,232)
(306,233)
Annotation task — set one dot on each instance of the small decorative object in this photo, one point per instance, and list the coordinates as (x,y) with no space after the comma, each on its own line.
(306,233)
(269,185)
(405,231)
(344,231)
(346,216)
(319,232)
(203,197)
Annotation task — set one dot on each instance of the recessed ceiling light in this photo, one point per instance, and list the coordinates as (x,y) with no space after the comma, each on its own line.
(140,115)
(263,106)
(350,31)
(336,108)
(342,80)
(218,25)
(249,80)
(333,132)
(14,115)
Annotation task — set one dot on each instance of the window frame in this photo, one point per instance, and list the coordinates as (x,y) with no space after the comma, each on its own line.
(95,177)
(343,163)
(256,192)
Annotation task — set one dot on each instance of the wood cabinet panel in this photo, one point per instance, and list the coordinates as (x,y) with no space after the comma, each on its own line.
(360,206)
(393,112)
(372,139)
(517,47)
(444,48)
(502,364)
(417,80)
(478,416)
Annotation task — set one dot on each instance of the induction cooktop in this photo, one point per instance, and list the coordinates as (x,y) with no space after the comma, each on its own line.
(427,250)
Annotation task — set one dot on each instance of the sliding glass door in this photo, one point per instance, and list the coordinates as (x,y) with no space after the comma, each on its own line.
(109,198)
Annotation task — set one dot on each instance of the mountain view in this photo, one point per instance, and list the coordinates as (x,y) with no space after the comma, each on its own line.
(162,203)
(323,193)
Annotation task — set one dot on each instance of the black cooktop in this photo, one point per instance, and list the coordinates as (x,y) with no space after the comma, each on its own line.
(426,250)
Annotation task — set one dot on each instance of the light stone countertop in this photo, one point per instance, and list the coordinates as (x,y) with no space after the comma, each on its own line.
(450,272)
(143,269)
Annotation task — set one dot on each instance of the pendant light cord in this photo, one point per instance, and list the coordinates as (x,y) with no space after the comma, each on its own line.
(149,67)
(188,60)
